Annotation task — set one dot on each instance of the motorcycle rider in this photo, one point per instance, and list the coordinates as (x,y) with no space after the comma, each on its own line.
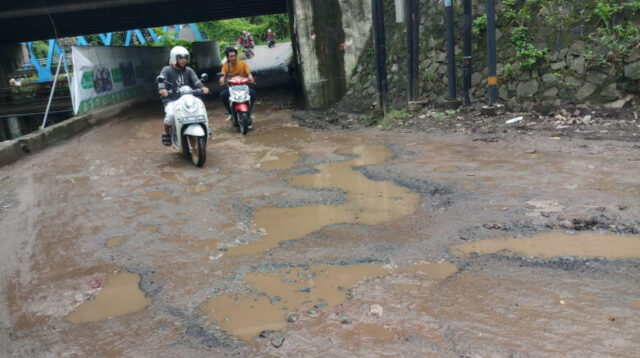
(176,74)
(271,38)
(232,68)
(248,39)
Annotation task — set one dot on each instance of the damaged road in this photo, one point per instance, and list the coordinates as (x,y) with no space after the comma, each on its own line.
(304,241)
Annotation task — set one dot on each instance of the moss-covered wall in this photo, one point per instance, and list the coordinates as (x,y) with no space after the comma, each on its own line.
(550,52)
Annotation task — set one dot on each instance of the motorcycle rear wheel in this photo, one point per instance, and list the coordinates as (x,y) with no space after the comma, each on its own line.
(197,150)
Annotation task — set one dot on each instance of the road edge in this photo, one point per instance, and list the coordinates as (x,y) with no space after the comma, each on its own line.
(13,150)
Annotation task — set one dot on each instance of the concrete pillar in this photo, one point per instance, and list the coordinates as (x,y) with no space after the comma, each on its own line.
(12,56)
(4,135)
(328,34)
(207,56)
(14,127)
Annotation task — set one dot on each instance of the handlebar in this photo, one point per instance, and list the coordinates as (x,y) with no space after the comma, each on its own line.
(195,92)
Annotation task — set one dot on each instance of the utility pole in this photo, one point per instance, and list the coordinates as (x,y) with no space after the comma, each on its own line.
(413,24)
(466,80)
(451,61)
(380,52)
(492,80)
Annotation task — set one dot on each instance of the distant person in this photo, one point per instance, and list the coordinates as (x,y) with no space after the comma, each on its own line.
(271,38)
(247,39)
(232,68)
(176,75)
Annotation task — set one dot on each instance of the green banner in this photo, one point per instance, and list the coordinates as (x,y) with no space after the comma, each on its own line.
(110,98)
(87,80)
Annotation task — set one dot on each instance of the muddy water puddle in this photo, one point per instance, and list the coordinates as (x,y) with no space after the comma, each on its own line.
(151,228)
(155,195)
(553,245)
(272,296)
(177,177)
(143,211)
(120,296)
(115,241)
(279,161)
(447,169)
(368,202)
(278,137)
(199,189)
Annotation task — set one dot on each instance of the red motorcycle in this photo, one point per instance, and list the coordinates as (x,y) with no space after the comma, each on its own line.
(240,103)
(246,47)
(271,40)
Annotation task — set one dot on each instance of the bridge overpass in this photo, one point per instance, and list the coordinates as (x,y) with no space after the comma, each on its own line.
(328,36)
(29,20)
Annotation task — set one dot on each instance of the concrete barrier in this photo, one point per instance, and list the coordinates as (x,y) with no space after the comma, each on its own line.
(10,151)
(13,150)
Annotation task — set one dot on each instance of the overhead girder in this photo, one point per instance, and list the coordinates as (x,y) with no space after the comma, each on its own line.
(28,20)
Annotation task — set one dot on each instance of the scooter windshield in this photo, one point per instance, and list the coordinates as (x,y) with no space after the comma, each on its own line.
(185,90)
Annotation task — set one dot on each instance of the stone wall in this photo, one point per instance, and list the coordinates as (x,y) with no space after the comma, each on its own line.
(583,58)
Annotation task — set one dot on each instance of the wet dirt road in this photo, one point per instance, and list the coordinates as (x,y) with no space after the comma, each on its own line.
(295,242)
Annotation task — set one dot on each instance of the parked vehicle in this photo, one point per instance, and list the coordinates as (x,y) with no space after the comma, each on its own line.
(191,130)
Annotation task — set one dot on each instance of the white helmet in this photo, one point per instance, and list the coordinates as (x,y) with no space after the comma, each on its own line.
(178,52)
(269,30)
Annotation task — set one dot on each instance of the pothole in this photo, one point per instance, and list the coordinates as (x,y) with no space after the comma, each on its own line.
(120,296)
(272,296)
(368,202)
(554,245)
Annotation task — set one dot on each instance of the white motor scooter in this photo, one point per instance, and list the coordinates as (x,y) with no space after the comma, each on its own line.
(189,135)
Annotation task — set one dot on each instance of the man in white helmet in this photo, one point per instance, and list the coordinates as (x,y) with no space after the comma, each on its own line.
(176,75)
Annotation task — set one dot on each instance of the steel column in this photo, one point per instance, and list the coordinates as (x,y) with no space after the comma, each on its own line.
(380,52)
(492,81)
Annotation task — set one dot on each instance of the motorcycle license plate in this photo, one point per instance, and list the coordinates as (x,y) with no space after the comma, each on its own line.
(196,119)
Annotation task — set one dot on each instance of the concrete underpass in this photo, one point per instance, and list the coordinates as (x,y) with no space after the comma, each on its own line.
(319,234)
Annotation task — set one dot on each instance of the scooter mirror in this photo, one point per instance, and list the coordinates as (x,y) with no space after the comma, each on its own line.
(204,77)
(160,79)
(220,74)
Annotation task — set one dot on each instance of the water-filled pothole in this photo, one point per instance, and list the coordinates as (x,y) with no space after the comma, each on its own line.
(120,296)
(272,296)
(552,245)
(282,161)
(368,202)
(115,241)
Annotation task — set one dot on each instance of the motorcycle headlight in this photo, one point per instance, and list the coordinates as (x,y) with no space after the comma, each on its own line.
(190,105)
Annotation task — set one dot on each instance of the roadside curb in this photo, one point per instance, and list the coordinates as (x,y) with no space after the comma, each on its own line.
(12,150)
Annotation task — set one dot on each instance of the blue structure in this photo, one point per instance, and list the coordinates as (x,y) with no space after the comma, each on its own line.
(44,71)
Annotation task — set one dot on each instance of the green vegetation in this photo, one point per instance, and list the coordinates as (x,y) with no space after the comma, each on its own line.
(227,32)
(509,10)
(508,72)
(615,33)
(516,15)
(479,25)
(527,53)
(392,115)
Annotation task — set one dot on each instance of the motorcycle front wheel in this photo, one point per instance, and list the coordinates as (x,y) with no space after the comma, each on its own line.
(244,122)
(249,53)
(197,150)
